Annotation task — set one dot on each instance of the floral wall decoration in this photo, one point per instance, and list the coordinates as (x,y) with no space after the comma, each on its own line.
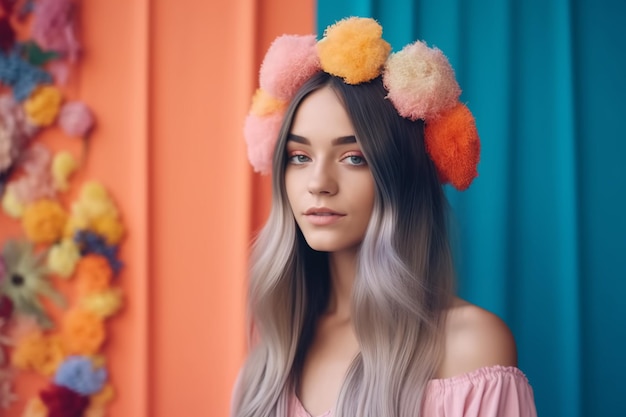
(58,277)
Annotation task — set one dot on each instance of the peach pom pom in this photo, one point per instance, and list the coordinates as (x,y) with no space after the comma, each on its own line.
(261,134)
(354,50)
(288,63)
(421,82)
(453,144)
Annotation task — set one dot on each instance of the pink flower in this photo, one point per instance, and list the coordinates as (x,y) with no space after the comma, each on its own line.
(6,157)
(15,131)
(38,182)
(53,27)
(76,119)
(7,396)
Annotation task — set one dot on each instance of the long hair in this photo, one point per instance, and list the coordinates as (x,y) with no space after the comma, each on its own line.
(403,283)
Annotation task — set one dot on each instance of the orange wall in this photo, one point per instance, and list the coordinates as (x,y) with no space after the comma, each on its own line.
(170,83)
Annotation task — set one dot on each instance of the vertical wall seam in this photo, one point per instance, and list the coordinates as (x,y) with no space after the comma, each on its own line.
(147,90)
(569,257)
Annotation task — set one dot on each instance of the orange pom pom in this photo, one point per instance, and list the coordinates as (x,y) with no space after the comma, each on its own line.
(354,50)
(264,104)
(44,221)
(38,352)
(453,144)
(93,274)
(83,332)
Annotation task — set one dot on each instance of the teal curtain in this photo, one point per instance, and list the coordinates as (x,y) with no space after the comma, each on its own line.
(541,234)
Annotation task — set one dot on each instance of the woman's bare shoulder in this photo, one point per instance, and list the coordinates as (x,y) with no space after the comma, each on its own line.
(475,338)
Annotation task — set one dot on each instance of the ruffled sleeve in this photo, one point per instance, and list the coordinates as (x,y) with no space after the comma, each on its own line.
(486,392)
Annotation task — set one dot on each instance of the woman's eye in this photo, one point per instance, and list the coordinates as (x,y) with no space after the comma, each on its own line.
(356,160)
(298,159)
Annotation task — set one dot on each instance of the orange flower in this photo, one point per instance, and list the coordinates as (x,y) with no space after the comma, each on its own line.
(83,332)
(38,352)
(44,221)
(94,274)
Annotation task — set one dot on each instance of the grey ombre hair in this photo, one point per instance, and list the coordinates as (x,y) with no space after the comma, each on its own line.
(402,288)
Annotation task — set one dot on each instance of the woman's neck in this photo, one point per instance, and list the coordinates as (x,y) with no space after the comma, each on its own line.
(342,272)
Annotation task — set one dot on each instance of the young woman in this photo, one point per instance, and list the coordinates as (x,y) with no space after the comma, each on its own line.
(351,288)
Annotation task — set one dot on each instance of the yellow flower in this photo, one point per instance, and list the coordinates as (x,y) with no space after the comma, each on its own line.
(38,352)
(109,227)
(98,361)
(11,205)
(63,257)
(95,210)
(74,224)
(103,304)
(43,105)
(44,220)
(94,202)
(63,165)
(102,398)
(94,411)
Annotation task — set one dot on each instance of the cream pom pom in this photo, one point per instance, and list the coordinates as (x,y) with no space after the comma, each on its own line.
(421,82)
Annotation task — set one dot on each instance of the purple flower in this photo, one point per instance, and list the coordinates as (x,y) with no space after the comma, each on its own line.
(90,242)
(78,374)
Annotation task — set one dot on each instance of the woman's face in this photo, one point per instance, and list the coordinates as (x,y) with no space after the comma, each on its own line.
(329,184)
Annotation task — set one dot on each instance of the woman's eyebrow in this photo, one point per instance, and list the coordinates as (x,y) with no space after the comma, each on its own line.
(342,140)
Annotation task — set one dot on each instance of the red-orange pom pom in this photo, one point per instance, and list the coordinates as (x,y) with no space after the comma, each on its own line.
(453,144)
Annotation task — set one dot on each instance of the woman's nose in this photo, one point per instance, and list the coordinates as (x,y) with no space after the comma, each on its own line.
(322,180)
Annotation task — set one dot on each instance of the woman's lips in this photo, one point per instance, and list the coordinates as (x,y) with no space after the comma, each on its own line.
(322,216)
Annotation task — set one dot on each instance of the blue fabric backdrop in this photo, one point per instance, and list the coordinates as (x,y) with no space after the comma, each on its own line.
(541,236)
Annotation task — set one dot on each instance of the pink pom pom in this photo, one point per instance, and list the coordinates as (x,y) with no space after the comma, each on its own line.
(288,63)
(261,134)
(75,119)
(53,27)
(420,82)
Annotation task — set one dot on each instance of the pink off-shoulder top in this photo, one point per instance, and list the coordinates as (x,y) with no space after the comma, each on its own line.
(495,391)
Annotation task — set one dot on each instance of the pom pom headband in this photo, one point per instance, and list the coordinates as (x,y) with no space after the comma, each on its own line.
(419,80)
